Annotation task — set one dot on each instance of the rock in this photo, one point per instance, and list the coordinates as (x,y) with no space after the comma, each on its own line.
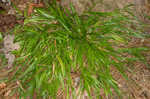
(9,46)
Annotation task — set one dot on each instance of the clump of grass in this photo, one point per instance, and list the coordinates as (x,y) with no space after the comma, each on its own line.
(56,42)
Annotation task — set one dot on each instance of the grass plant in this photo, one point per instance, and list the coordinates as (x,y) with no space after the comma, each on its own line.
(57,42)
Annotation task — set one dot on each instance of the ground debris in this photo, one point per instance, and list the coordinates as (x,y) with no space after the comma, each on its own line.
(7,22)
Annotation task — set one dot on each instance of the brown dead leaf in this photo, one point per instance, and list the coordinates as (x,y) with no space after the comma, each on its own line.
(2,85)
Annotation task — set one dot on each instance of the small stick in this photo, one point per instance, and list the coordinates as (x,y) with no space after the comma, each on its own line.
(32,5)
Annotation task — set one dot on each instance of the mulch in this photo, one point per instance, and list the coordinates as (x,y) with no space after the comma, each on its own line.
(7,22)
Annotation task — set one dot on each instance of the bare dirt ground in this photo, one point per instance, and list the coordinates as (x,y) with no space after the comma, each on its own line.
(138,85)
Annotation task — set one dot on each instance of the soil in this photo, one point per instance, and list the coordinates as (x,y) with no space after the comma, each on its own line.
(7,22)
(138,85)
